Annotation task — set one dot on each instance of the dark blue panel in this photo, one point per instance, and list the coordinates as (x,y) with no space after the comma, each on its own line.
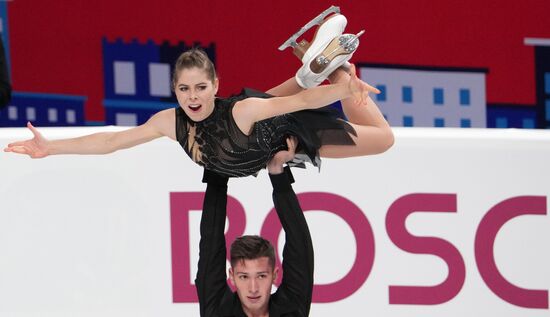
(382,95)
(438,96)
(514,115)
(465,123)
(464,97)
(407,93)
(408,121)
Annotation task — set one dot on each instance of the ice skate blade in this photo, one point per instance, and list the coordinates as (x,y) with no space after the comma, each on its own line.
(345,44)
(316,21)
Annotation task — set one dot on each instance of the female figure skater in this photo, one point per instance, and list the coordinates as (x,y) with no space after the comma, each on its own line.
(237,136)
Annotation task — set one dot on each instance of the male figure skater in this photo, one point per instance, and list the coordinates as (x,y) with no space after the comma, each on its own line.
(253,268)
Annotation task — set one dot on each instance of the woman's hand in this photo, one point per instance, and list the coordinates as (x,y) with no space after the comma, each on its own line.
(35,147)
(275,165)
(359,89)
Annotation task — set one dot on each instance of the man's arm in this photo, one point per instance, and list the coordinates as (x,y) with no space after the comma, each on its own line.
(298,250)
(211,280)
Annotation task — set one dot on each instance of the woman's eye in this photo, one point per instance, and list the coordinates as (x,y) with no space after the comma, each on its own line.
(202,87)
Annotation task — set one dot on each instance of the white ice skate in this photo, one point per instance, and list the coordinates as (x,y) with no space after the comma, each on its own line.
(322,63)
(328,29)
(328,50)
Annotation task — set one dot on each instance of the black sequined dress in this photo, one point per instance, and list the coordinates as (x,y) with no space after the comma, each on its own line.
(219,145)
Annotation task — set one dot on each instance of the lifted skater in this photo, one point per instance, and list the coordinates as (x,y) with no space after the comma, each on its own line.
(237,136)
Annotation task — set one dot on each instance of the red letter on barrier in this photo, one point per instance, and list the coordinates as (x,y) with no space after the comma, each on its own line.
(362,231)
(484,243)
(181,204)
(395,226)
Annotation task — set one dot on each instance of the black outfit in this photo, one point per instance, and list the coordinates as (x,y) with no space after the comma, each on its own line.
(217,143)
(293,297)
(5,87)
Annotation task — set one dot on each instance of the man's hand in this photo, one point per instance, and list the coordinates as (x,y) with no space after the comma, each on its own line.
(275,165)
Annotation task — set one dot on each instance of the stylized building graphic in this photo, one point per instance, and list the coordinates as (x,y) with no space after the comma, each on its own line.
(542,79)
(138,79)
(511,116)
(4,33)
(429,96)
(43,110)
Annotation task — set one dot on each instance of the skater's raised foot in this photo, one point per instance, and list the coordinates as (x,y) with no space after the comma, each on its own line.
(345,44)
(319,64)
(330,29)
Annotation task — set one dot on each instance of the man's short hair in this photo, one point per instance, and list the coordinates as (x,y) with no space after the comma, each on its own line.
(251,247)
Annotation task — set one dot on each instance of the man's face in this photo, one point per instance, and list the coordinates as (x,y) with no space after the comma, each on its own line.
(253,280)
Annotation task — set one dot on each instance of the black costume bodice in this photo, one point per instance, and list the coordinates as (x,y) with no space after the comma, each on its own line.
(219,145)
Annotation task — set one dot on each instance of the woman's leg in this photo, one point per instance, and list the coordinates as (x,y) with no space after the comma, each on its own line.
(288,88)
(374,134)
(369,140)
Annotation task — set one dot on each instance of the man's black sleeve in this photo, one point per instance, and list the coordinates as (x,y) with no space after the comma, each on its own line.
(298,250)
(211,280)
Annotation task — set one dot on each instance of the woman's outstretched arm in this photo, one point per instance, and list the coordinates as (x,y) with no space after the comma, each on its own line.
(161,124)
